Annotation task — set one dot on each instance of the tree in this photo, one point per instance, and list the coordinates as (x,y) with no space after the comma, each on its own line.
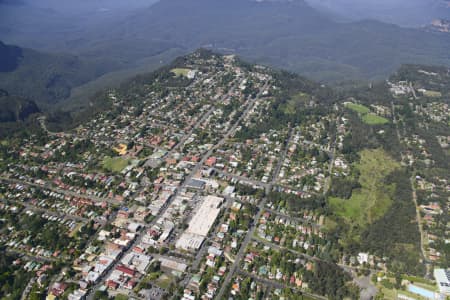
(101,295)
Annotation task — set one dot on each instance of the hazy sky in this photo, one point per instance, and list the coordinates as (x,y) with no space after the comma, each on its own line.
(403,12)
(24,22)
(77,6)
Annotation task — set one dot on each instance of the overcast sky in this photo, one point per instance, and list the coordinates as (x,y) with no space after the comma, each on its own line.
(403,12)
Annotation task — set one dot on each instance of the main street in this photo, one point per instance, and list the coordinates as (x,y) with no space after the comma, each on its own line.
(241,253)
(247,239)
(282,158)
(181,188)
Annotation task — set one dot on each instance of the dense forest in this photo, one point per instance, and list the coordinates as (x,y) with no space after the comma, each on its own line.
(13,280)
(330,280)
(43,77)
(14,109)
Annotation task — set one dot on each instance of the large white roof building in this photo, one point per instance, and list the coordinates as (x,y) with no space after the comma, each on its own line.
(200,224)
(443,280)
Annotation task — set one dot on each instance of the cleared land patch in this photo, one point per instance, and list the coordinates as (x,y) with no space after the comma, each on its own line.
(180,71)
(361,109)
(366,116)
(373,119)
(374,198)
(433,94)
(293,105)
(115,164)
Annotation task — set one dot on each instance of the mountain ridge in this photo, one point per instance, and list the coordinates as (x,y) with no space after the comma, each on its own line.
(286,34)
(15,109)
(43,77)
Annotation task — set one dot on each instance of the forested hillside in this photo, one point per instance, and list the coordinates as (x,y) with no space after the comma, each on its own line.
(42,77)
(285,34)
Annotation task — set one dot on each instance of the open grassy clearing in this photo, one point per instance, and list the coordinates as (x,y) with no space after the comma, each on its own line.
(420,280)
(163,281)
(115,164)
(373,119)
(361,109)
(388,294)
(366,116)
(432,94)
(297,101)
(374,198)
(180,71)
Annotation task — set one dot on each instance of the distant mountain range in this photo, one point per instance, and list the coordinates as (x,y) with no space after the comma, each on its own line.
(414,13)
(43,77)
(287,34)
(9,57)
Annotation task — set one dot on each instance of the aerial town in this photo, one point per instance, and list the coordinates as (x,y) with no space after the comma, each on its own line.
(176,192)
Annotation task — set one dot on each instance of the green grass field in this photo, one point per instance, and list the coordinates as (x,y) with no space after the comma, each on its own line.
(361,109)
(163,281)
(180,71)
(374,198)
(366,116)
(373,119)
(115,164)
(433,94)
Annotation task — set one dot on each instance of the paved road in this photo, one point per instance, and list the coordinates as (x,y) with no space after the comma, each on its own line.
(102,278)
(37,209)
(197,124)
(349,269)
(241,253)
(194,171)
(277,284)
(48,186)
(283,155)
(242,178)
(220,295)
(414,197)
(331,166)
(27,289)
(44,127)
(297,219)
(38,258)
(368,290)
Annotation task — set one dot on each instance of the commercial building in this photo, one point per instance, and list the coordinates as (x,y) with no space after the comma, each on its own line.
(443,280)
(172,265)
(200,224)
